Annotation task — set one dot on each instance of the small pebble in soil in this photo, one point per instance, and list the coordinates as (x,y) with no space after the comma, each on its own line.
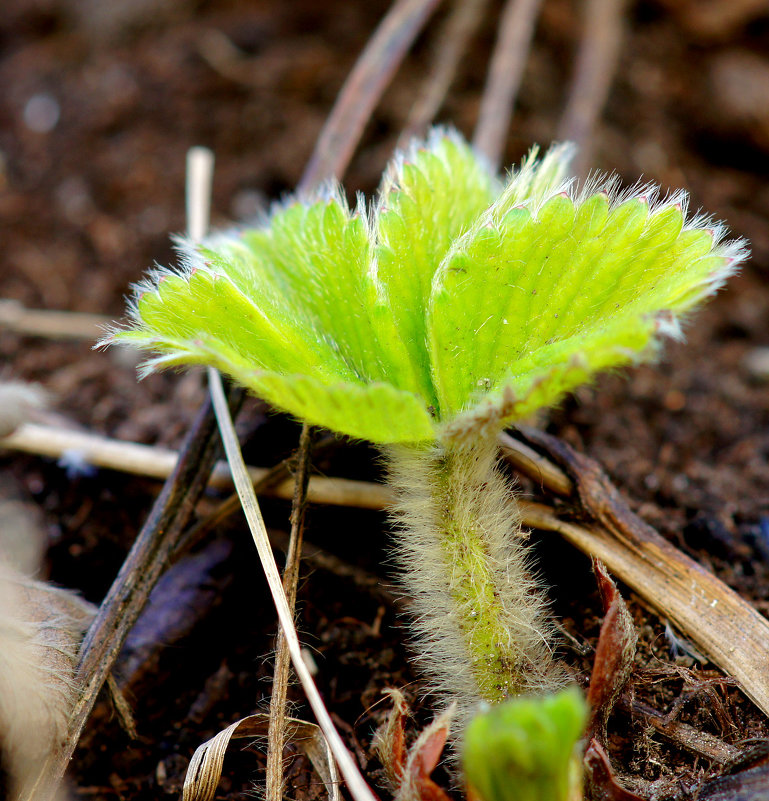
(41,113)
(756,364)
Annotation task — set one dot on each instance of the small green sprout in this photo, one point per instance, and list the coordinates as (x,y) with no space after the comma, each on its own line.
(527,749)
(454,305)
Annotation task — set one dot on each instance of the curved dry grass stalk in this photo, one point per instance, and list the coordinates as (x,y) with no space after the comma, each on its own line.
(205,768)
(199,178)
(357,786)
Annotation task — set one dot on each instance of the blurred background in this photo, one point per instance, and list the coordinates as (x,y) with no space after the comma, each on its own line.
(99,102)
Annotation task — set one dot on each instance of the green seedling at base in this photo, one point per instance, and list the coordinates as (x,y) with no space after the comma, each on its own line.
(527,749)
(454,305)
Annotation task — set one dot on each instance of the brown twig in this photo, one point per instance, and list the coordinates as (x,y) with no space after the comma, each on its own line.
(697,742)
(364,86)
(530,462)
(449,46)
(505,72)
(727,629)
(596,64)
(155,462)
(276,731)
(133,584)
(51,324)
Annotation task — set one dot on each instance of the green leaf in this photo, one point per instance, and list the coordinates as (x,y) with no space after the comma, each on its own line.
(525,749)
(535,180)
(376,412)
(471,312)
(310,267)
(208,307)
(539,302)
(429,197)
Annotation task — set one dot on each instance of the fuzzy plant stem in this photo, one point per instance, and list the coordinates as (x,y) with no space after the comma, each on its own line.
(480,630)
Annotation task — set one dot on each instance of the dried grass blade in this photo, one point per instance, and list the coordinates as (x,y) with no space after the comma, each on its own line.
(205,768)
(200,165)
(358,787)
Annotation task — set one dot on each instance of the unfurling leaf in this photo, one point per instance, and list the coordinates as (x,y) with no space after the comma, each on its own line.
(454,302)
(526,749)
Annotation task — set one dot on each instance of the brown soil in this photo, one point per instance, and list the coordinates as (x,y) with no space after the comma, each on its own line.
(121,90)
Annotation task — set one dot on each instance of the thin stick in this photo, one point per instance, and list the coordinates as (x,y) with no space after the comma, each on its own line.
(155,462)
(533,464)
(507,64)
(51,324)
(357,786)
(276,731)
(363,88)
(449,46)
(596,64)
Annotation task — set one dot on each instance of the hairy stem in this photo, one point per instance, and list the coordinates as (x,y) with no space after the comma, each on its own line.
(480,631)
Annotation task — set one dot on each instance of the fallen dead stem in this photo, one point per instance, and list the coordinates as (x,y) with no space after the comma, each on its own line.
(276,731)
(448,47)
(596,64)
(363,88)
(154,462)
(728,630)
(516,30)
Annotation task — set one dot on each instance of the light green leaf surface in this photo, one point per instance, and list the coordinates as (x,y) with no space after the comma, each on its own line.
(540,302)
(525,749)
(442,308)
(429,197)
(377,412)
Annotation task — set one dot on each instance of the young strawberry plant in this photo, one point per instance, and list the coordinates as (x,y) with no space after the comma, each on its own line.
(454,305)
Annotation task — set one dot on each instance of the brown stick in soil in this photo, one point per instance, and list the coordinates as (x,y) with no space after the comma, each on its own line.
(364,86)
(51,324)
(448,47)
(516,30)
(596,64)
(276,732)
